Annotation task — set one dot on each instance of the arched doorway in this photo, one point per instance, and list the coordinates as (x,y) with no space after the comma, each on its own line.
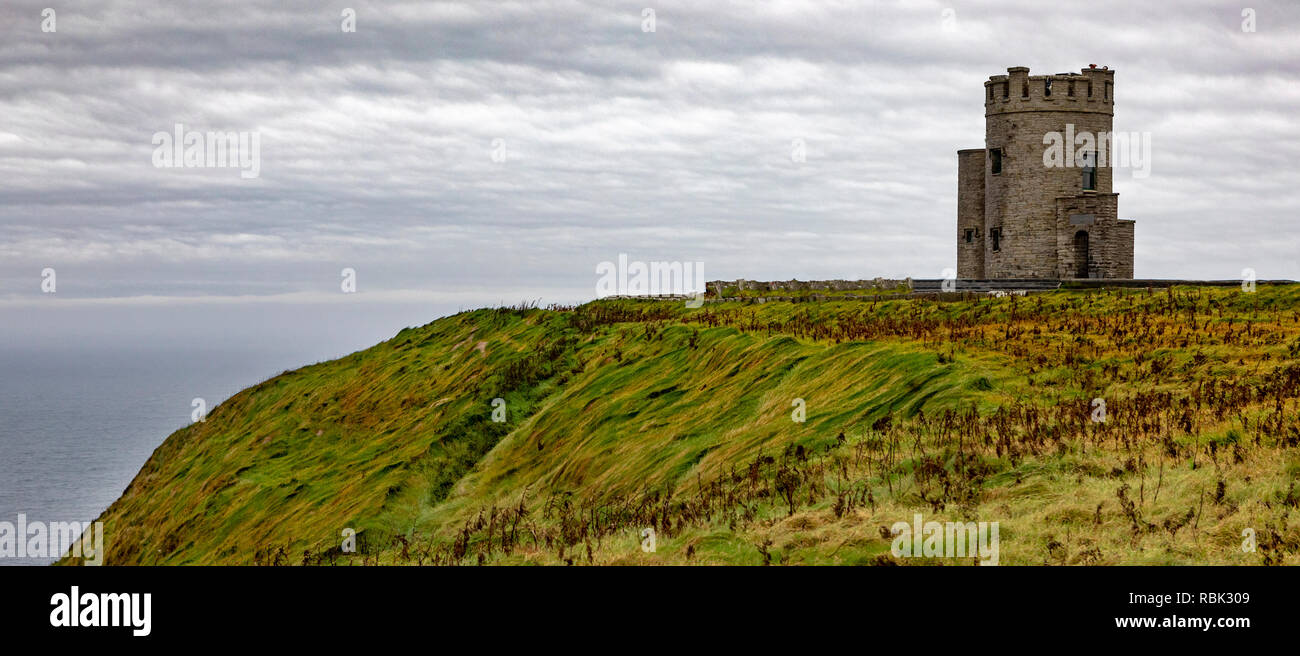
(1081,254)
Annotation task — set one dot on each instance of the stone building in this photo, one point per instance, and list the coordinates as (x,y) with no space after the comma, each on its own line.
(1036,201)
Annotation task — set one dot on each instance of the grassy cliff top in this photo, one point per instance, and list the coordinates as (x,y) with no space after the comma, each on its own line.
(624,415)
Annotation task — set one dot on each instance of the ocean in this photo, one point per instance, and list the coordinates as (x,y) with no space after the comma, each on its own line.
(77,424)
(86,396)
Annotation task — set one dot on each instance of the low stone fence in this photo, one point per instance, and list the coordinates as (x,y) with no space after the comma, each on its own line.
(878,284)
(929,288)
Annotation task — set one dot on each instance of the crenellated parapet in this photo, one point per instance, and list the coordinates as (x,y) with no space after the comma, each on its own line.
(1092,90)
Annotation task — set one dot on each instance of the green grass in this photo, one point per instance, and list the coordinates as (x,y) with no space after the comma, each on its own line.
(626,414)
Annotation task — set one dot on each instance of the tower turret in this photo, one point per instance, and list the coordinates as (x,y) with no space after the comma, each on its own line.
(1048,210)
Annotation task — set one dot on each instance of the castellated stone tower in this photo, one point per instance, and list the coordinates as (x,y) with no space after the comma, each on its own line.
(1021,217)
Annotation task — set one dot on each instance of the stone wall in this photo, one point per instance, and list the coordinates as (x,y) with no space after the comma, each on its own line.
(881,284)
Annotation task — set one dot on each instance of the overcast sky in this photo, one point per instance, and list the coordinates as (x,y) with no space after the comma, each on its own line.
(462,154)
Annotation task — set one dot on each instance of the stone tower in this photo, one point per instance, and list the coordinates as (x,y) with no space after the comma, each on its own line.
(1025,212)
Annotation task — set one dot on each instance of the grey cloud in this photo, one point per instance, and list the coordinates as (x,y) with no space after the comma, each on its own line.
(376,146)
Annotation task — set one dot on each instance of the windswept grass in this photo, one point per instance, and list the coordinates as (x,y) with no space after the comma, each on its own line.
(628,415)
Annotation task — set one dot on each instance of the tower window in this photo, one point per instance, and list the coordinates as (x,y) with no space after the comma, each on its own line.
(1047,88)
(1069,89)
(995,235)
(1024,90)
(1088,83)
(1006,90)
(1090,170)
(995,160)
(970,235)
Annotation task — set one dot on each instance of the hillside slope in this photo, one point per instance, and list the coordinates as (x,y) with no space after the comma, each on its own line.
(622,416)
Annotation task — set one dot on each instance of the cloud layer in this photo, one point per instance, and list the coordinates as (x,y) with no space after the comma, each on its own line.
(477,150)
